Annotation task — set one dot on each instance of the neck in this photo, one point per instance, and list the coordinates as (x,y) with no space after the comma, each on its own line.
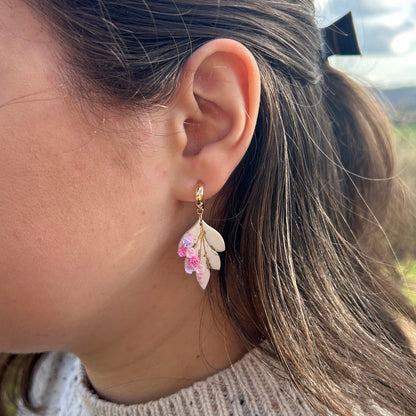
(179,341)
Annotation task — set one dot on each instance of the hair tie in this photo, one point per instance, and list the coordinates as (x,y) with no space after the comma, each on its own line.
(339,38)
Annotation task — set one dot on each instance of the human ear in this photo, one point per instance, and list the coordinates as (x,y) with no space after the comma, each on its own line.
(214,113)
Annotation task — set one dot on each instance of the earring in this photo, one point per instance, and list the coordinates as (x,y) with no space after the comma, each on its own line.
(200,245)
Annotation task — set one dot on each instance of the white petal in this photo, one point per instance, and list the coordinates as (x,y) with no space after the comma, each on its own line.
(213,237)
(205,278)
(213,259)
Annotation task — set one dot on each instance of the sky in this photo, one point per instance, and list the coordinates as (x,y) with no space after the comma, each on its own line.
(386,31)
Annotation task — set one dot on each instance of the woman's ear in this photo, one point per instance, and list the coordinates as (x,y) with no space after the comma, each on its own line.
(214,112)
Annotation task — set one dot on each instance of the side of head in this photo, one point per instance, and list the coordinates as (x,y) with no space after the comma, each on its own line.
(302,205)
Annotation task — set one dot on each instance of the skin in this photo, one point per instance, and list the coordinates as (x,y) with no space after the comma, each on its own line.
(91,212)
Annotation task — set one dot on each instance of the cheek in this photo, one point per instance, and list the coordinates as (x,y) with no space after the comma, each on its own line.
(47,222)
(70,226)
(65,222)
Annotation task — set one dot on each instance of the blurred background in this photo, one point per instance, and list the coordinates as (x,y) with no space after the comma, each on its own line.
(386,30)
(387,33)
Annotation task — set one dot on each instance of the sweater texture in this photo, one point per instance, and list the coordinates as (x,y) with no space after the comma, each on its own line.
(246,388)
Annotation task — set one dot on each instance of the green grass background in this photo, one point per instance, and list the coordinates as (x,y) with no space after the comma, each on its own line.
(408,270)
(406,153)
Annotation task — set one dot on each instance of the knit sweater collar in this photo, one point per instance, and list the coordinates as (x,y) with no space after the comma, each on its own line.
(238,389)
(246,388)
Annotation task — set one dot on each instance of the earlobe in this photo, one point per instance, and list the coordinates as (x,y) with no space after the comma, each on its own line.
(217,104)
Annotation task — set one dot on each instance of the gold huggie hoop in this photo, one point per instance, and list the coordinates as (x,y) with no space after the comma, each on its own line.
(199,200)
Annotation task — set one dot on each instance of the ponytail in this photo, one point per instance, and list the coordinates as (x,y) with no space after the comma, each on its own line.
(309,263)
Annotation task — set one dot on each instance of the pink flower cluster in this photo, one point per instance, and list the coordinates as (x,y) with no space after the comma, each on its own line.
(192,261)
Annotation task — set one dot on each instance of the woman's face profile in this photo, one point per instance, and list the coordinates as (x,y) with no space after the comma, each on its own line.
(74,211)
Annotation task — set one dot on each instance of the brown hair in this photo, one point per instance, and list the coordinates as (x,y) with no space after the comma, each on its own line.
(305,215)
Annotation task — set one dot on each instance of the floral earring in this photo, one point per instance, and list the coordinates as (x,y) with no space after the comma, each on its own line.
(200,245)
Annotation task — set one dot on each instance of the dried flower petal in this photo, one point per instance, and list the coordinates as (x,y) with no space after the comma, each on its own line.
(187,241)
(182,251)
(194,261)
(190,252)
(189,268)
(200,269)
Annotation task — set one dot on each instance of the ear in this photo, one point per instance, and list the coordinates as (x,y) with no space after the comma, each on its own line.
(214,115)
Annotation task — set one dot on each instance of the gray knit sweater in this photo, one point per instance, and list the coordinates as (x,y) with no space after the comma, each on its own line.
(246,388)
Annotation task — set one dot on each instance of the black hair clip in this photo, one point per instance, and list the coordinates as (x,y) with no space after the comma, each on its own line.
(339,38)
